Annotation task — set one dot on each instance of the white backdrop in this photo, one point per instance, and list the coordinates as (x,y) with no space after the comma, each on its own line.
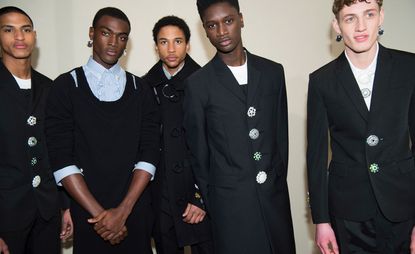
(295,33)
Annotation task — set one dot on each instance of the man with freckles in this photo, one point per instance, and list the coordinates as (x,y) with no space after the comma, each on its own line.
(102,129)
(364,202)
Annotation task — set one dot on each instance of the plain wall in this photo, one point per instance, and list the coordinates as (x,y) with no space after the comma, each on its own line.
(296,33)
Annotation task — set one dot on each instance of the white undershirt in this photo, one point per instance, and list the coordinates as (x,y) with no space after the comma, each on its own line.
(365,77)
(240,72)
(23,83)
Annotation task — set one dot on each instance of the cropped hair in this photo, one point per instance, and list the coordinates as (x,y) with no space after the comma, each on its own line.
(171,21)
(338,5)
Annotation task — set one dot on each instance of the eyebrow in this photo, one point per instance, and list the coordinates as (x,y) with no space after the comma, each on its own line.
(10,26)
(109,29)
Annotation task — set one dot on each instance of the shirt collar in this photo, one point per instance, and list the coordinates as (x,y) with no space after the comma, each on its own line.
(371,68)
(167,73)
(97,69)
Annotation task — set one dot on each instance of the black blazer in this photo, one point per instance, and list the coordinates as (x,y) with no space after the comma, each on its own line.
(174,175)
(19,162)
(247,217)
(372,163)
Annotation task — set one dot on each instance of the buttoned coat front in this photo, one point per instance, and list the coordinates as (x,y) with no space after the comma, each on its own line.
(247,216)
(372,165)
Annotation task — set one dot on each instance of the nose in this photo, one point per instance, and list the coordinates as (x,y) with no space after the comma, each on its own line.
(222,29)
(170,47)
(112,40)
(361,25)
(18,34)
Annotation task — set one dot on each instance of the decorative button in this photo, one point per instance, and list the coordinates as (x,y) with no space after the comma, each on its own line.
(261,177)
(254,134)
(33,161)
(31,121)
(366,92)
(32,141)
(372,140)
(257,156)
(251,111)
(36,181)
(374,168)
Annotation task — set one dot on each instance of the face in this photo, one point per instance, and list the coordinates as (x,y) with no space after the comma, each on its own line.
(359,25)
(17,37)
(171,47)
(223,25)
(109,38)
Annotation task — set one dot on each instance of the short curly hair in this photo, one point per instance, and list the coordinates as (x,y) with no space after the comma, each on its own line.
(338,5)
(171,21)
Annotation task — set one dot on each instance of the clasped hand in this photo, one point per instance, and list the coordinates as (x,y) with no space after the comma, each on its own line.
(110,225)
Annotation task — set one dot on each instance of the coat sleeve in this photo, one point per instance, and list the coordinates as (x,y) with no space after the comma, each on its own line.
(149,147)
(59,125)
(196,134)
(282,122)
(317,153)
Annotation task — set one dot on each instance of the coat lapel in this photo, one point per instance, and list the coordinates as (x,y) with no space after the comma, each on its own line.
(254,76)
(345,77)
(226,78)
(381,82)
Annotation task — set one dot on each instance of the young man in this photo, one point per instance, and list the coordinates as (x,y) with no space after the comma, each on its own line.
(29,207)
(365,201)
(178,207)
(236,125)
(102,132)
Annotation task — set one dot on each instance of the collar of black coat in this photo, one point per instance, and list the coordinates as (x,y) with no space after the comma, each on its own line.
(156,77)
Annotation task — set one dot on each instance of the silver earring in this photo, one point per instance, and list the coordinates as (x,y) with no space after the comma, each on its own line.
(89,44)
(125,52)
(339,38)
(381,31)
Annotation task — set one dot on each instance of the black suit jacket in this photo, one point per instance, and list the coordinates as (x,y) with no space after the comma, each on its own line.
(20,202)
(174,184)
(350,189)
(247,217)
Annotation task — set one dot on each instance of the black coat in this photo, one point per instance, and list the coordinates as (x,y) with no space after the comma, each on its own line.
(247,217)
(351,188)
(174,174)
(20,201)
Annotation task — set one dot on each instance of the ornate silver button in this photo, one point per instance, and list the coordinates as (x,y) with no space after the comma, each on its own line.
(251,112)
(374,168)
(366,92)
(31,121)
(36,181)
(254,134)
(33,161)
(372,140)
(261,177)
(32,141)
(257,156)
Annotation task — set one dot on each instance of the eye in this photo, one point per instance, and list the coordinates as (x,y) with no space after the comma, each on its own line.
(106,34)
(179,41)
(7,30)
(371,14)
(349,19)
(228,21)
(211,26)
(27,30)
(124,38)
(162,42)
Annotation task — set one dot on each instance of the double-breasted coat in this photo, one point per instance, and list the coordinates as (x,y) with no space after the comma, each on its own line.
(239,146)
(372,164)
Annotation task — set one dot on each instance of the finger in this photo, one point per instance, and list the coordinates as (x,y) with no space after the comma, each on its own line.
(192,218)
(97,218)
(186,212)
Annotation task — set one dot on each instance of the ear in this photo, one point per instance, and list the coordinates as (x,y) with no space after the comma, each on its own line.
(336,27)
(91,33)
(382,16)
(156,48)
(187,47)
(242,19)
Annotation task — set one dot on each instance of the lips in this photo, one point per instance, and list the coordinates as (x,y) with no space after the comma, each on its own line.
(20,46)
(225,42)
(171,58)
(111,52)
(361,38)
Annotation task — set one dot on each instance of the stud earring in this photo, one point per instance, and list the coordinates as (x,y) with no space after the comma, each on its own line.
(339,38)
(89,44)
(381,31)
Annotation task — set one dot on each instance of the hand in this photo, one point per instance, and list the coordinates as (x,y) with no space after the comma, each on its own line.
(67,225)
(412,246)
(193,214)
(325,239)
(3,247)
(109,223)
(120,236)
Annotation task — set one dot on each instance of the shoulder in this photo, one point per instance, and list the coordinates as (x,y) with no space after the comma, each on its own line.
(400,56)
(325,71)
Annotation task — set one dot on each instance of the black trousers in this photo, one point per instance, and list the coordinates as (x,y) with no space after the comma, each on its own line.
(377,235)
(166,240)
(40,237)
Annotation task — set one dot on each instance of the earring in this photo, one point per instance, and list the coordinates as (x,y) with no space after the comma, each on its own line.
(125,52)
(89,44)
(339,38)
(381,31)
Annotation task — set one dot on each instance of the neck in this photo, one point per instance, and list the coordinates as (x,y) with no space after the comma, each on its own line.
(236,57)
(173,71)
(362,59)
(20,68)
